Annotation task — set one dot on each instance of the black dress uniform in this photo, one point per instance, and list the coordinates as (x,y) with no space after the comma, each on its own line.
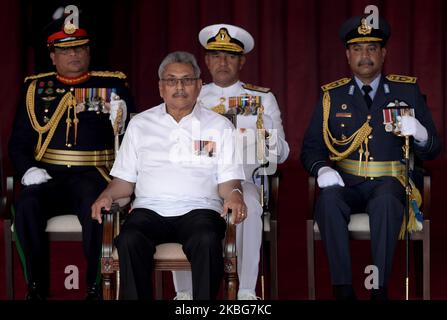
(369,169)
(64,128)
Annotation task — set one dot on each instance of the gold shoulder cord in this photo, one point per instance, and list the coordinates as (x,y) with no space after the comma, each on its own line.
(356,139)
(51,125)
(260,136)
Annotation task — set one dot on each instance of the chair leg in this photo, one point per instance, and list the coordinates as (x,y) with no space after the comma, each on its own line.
(273,260)
(426,269)
(9,260)
(107,287)
(158,285)
(310,259)
(230,278)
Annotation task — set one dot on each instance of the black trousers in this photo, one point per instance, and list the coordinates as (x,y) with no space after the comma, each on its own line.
(383,199)
(199,231)
(66,193)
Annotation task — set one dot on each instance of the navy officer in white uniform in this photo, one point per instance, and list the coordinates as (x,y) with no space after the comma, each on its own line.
(226,48)
(178,160)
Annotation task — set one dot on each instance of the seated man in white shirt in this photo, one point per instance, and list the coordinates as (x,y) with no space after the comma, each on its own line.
(178,160)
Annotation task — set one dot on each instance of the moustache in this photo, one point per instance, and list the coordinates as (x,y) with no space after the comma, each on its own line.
(180,94)
(365,62)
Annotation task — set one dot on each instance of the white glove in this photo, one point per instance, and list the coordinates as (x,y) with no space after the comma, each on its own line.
(35,175)
(410,126)
(116,104)
(329,177)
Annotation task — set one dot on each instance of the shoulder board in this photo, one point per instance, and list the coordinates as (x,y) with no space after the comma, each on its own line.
(112,74)
(255,88)
(399,78)
(335,84)
(40,75)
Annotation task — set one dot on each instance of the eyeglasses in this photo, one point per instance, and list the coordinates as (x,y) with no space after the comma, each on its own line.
(172,82)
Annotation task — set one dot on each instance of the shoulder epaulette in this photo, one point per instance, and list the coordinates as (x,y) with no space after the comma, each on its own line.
(40,75)
(255,88)
(400,78)
(335,84)
(113,74)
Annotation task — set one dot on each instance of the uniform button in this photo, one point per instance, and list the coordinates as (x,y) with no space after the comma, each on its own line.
(371,178)
(371,158)
(68,165)
(370,136)
(342,125)
(369,117)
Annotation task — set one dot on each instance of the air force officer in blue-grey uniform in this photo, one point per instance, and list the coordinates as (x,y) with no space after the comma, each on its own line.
(357,159)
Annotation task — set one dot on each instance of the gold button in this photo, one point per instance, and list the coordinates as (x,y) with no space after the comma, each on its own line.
(371,178)
(370,136)
(342,125)
(369,117)
(371,158)
(72,89)
(69,145)
(68,165)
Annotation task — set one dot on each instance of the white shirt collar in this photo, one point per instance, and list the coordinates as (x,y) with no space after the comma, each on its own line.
(195,111)
(227,91)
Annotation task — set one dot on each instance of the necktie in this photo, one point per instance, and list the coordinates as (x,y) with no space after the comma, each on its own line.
(367,89)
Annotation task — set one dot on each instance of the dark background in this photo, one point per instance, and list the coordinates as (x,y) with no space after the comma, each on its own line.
(296,51)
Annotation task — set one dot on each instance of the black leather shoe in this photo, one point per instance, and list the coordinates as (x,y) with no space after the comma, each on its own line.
(94,292)
(344,292)
(380,294)
(35,292)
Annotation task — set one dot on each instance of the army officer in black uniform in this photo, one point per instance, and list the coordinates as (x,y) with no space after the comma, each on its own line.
(357,159)
(62,147)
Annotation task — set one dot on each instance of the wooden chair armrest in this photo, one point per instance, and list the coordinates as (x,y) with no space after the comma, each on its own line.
(230,238)
(109,220)
(230,260)
(112,221)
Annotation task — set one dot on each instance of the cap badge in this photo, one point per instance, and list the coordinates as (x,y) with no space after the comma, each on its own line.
(364,28)
(69,28)
(222,36)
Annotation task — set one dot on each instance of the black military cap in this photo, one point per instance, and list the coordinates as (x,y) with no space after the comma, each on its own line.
(357,29)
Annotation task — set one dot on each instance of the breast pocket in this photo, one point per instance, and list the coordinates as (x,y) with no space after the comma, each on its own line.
(342,125)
